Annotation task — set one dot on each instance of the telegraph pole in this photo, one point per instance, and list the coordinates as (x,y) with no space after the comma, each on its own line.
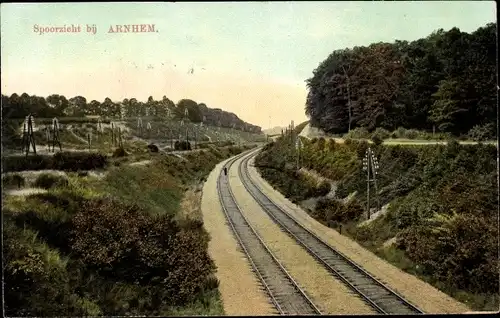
(112,134)
(28,135)
(139,126)
(55,134)
(99,128)
(148,127)
(186,113)
(171,136)
(366,167)
(370,164)
(47,136)
(195,139)
(297,146)
(89,140)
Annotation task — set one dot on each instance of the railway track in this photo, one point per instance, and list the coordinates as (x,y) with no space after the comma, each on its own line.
(375,293)
(286,295)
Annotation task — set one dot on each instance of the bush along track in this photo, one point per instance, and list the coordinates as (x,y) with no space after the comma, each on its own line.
(441,202)
(113,246)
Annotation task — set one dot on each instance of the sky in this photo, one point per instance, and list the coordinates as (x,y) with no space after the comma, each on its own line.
(250,58)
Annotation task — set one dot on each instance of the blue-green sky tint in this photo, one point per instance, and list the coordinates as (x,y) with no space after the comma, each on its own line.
(250,58)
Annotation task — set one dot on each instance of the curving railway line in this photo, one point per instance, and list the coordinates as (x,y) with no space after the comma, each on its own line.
(286,295)
(372,291)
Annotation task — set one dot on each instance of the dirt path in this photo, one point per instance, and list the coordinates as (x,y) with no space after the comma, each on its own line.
(328,294)
(141,163)
(24,191)
(312,132)
(423,295)
(240,289)
(70,129)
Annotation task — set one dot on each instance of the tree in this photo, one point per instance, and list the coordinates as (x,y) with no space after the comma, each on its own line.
(408,84)
(94,108)
(194,113)
(109,108)
(77,106)
(448,111)
(59,102)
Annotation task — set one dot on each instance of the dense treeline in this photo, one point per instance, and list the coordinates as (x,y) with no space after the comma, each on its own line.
(55,105)
(445,81)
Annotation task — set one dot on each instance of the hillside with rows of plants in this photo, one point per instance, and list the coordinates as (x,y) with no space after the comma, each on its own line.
(55,105)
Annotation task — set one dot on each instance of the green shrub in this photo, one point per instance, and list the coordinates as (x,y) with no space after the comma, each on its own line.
(119,152)
(380,133)
(409,133)
(128,245)
(153,148)
(30,265)
(70,161)
(473,264)
(332,212)
(323,189)
(483,133)
(331,145)
(15,179)
(182,145)
(412,134)
(377,140)
(47,181)
(358,133)
(361,149)
(22,163)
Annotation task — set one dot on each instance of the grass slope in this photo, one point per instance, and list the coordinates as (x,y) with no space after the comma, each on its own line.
(442,211)
(111,246)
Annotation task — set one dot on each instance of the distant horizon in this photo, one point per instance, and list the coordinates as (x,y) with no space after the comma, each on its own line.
(250,58)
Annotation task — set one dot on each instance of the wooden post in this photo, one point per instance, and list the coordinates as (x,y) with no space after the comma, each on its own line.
(368,183)
(88,140)
(55,134)
(30,138)
(25,134)
(112,134)
(120,142)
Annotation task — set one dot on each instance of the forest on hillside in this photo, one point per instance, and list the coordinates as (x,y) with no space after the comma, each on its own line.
(446,81)
(56,105)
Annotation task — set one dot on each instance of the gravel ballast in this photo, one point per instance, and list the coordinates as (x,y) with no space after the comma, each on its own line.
(328,294)
(240,289)
(423,295)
